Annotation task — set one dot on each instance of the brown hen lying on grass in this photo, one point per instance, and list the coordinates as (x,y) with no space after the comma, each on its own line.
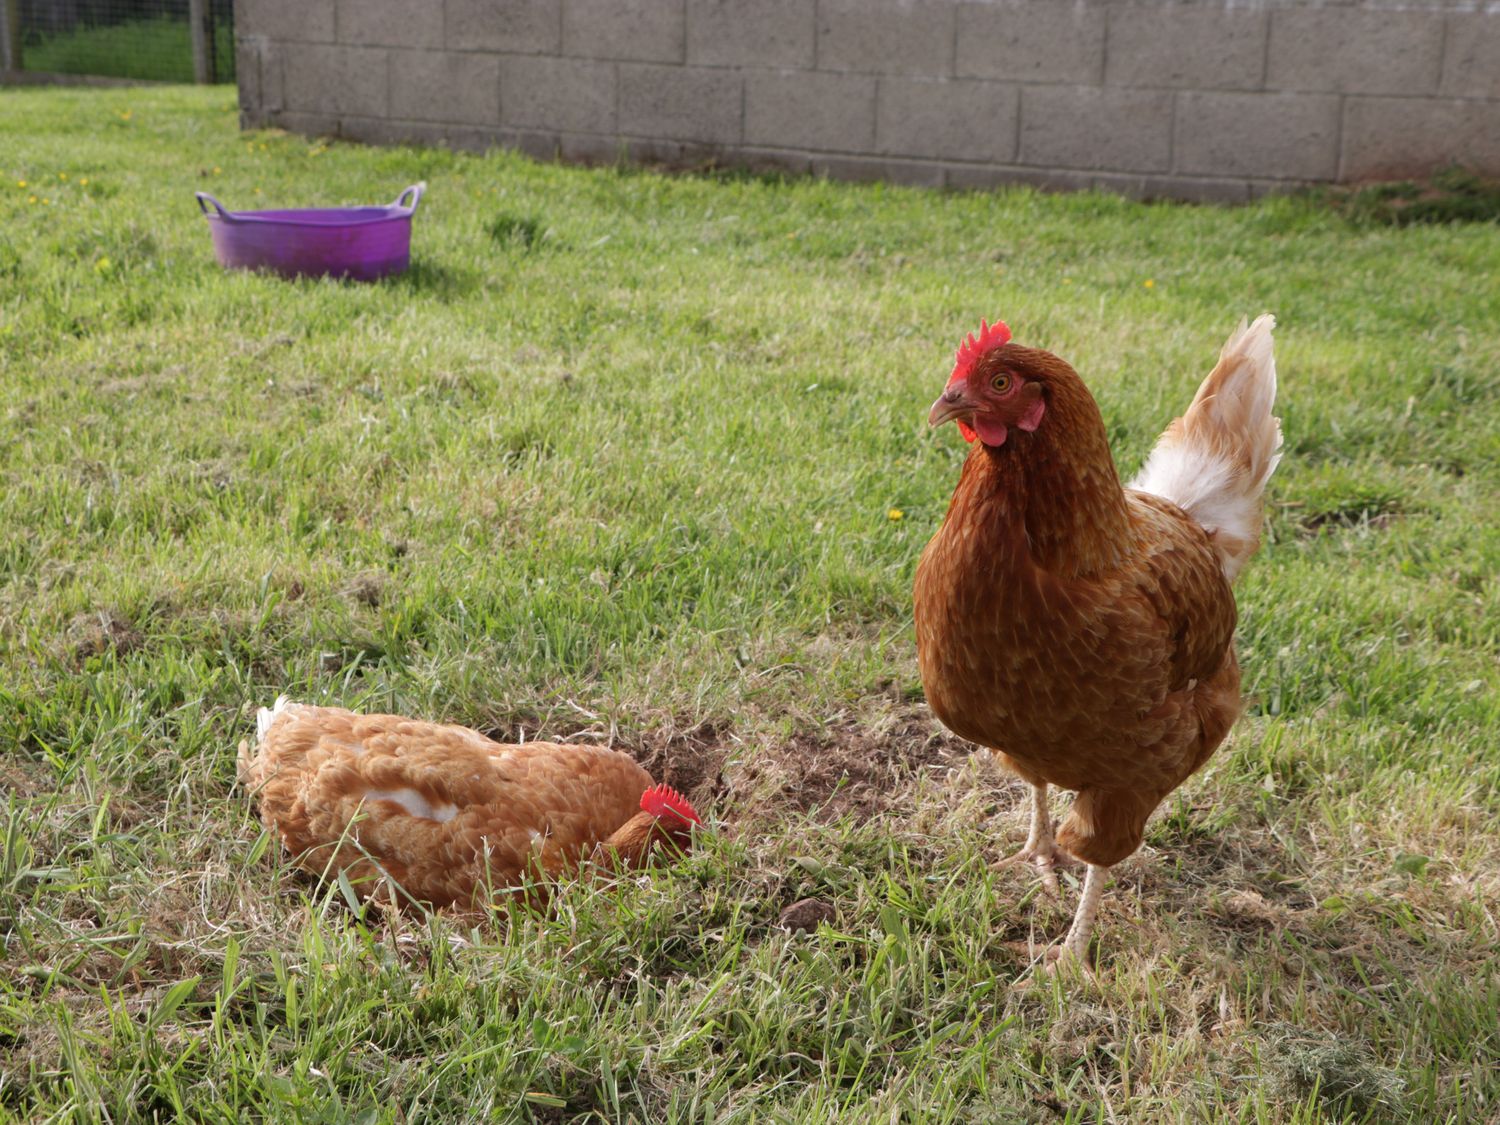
(1081,629)
(442,815)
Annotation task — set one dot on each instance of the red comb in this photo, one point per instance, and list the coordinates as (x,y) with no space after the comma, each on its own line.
(663,799)
(974,348)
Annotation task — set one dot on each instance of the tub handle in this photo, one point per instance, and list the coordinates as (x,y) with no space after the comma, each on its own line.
(204,199)
(415,191)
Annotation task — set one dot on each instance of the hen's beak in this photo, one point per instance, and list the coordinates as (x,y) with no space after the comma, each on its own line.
(950,404)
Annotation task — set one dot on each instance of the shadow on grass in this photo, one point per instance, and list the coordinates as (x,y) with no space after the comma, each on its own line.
(437,279)
(523,233)
(1454,195)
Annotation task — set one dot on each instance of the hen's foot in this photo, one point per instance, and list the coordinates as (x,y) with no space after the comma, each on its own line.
(1071,956)
(1060,962)
(1041,850)
(1063,960)
(1045,856)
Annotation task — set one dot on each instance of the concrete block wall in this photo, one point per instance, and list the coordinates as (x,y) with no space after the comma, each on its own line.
(1194,99)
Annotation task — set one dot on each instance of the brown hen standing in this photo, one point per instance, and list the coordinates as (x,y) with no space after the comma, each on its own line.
(1085,631)
(442,815)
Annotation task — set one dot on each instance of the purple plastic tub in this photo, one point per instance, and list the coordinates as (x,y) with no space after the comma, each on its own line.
(361,243)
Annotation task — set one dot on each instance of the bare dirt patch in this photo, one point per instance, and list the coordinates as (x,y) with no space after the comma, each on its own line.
(367,588)
(23,777)
(857,765)
(99,631)
(692,761)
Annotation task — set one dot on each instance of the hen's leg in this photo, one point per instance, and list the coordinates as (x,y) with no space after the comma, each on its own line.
(1041,845)
(1075,947)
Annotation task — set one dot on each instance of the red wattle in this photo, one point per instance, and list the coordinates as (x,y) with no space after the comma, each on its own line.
(991,432)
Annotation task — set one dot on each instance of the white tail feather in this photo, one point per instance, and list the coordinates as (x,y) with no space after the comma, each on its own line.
(267,715)
(253,760)
(1214,461)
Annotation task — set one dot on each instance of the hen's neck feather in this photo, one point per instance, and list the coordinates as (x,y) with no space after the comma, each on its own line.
(1052,495)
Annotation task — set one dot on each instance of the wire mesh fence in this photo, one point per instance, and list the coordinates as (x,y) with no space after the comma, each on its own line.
(142,40)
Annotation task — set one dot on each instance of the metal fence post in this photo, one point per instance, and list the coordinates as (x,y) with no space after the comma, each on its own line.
(198,31)
(10,35)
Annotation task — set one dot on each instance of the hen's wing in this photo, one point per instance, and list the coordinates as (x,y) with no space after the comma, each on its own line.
(1178,573)
(440,809)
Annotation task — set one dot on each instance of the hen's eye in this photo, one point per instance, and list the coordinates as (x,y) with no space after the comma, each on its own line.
(1001,383)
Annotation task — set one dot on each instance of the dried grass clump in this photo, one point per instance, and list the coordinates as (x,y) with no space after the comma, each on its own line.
(1339,1071)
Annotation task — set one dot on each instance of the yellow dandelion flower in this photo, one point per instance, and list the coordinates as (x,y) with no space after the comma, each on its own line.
(102,265)
(895,514)
(47,203)
(216,169)
(1149,283)
(20,183)
(83,181)
(62,175)
(257,191)
(31,199)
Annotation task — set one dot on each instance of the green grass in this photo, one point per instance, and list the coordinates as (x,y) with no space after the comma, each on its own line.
(1451,195)
(152,50)
(618,458)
